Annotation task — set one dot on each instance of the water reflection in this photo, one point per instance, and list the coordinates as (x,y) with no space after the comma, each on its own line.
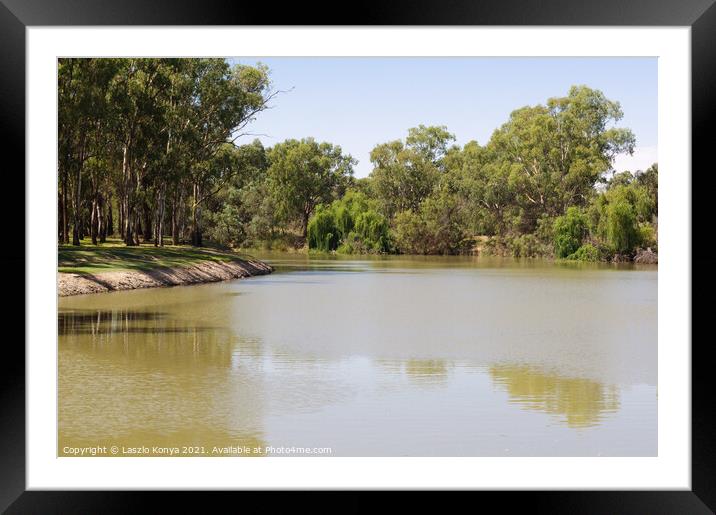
(141,378)
(393,357)
(575,401)
(428,370)
(99,320)
(419,372)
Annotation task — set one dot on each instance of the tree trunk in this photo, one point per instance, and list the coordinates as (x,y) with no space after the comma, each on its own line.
(196,239)
(107,216)
(159,240)
(182,218)
(147,222)
(76,214)
(304,221)
(101,220)
(137,227)
(94,220)
(65,227)
(156,223)
(128,237)
(175,222)
(120,208)
(126,201)
(60,236)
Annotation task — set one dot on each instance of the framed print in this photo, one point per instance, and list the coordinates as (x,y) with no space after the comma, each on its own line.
(422,251)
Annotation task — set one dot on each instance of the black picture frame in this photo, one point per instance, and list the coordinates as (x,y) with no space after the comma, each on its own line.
(16,15)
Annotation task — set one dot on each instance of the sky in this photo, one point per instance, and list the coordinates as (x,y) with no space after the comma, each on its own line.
(359,102)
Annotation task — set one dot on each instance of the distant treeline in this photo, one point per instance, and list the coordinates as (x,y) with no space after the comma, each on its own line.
(148,150)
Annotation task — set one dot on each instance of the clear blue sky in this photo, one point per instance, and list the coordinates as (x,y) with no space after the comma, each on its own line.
(359,102)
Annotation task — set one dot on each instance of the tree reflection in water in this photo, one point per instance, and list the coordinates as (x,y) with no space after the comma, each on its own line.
(575,401)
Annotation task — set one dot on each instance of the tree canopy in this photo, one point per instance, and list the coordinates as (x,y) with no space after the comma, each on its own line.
(150,148)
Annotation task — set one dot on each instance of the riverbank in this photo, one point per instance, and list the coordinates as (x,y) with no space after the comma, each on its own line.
(112,267)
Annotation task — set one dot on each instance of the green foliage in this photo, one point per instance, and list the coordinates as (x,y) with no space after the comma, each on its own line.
(350,225)
(620,179)
(303,174)
(404,174)
(545,229)
(152,142)
(569,231)
(545,159)
(411,233)
(430,142)
(586,252)
(323,234)
(435,228)
(622,230)
(371,228)
(484,188)
(527,246)
(553,154)
(153,133)
(243,213)
(224,226)
(649,180)
(647,236)
(624,215)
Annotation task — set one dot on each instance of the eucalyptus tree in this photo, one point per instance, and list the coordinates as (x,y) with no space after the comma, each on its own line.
(484,185)
(150,129)
(405,173)
(225,100)
(432,142)
(242,208)
(137,96)
(303,174)
(82,121)
(554,154)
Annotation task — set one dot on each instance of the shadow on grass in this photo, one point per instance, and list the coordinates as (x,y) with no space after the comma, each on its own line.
(90,259)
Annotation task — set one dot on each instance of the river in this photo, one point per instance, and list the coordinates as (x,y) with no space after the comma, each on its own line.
(395,356)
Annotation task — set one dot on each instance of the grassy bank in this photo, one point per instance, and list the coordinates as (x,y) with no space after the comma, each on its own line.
(114,256)
(113,266)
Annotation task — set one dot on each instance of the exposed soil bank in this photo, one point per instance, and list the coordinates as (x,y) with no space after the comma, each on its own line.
(200,272)
(648,257)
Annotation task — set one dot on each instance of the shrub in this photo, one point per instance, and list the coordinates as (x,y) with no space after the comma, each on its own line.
(411,233)
(435,228)
(545,229)
(349,247)
(223,227)
(494,246)
(647,236)
(527,245)
(586,252)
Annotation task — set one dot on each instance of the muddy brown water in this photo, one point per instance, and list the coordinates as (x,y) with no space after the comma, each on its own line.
(397,356)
